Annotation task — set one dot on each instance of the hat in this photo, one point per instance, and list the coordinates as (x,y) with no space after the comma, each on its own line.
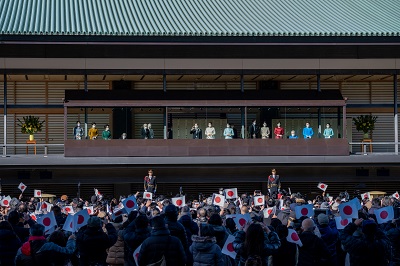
(101,214)
(94,221)
(170,209)
(323,218)
(64,197)
(369,227)
(157,223)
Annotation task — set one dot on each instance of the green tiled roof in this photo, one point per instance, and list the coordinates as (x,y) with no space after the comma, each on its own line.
(201,17)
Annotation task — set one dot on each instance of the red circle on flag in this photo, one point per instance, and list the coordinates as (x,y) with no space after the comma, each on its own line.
(38,193)
(147,195)
(44,206)
(242,221)
(33,217)
(259,200)
(304,211)
(89,211)
(344,222)
(22,187)
(81,219)
(347,210)
(269,211)
(217,199)
(137,255)
(229,247)
(384,214)
(230,193)
(396,195)
(294,236)
(46,221)
(71,225)
(68,209)
(179,202)
(5,202)
(130,204)
(322,186)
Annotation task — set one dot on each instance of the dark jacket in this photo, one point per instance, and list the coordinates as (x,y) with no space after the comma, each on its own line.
(177,229)
(191,227)
(394,236)
(365,251)
(9,245)
(206,252)
(286,254)
(330,236)
(314,251)
(271,245)
(162,243)
(38,252)
(133,238)
(21,231)
(92,244)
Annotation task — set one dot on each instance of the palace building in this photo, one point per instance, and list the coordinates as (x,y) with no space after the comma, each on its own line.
(175,63)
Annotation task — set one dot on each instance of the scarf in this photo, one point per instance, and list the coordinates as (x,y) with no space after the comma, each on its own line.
(26,247)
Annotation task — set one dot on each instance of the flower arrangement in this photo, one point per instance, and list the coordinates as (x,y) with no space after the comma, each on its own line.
(365,123)
(30,124)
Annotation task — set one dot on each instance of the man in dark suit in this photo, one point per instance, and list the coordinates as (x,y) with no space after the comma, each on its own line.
(196,132)
(254,130)
(150,183)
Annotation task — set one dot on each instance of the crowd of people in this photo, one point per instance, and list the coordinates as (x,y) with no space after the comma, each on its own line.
(202,232)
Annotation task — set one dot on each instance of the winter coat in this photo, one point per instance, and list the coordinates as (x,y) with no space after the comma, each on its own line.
(116,253)
(93,243)
(177,229)
(21,231)
(133,237)
(364,251)
(205,251)
(286,254)
(159,244)
(330,236)
(38,252)
(394,237)
(191,227)
(9,245)
(221,234)
(271,245)
(314,251)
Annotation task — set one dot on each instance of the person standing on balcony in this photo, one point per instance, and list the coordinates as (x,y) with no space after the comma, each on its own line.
(279,131)
(265,131)
(328,132)
(78,131)
(145,132)
(93,132)
(151,131)
(308,131)
(228,132)
(254,130)
(150,183)
(106,135)
(196,132)
(210,131)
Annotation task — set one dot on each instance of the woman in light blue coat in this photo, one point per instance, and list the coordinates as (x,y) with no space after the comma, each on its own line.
(228,132)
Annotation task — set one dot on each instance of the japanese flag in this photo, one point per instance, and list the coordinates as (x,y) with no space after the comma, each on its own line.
(89,209)
(241,220)
(33,217)
(366,196)
(293,237)
(322,186)
(231,193)
(219,200)
(348,209)
(81,218)
(396,195)
(304,210)
(22,187)
(228,247)
(43,205)
(130,204)
(179,201)
(37,193)
(5,202)
(136,254)
(269,211)
(118,212)
(148,195)
(108,209)
(259,200)
(49,207)
(69,224)
(342,223)
(48,220)
(96,192)
(385,214)
(68,209)
(281,205)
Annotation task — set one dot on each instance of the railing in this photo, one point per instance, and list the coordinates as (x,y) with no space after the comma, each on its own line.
(46,146)
(368,145)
